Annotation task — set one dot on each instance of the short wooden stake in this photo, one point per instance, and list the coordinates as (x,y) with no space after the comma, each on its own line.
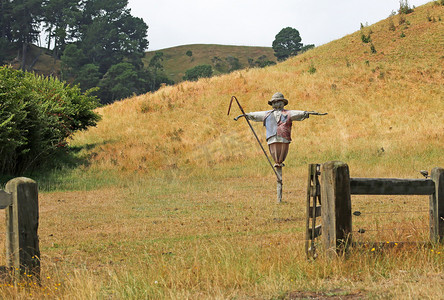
(437,206)
(336,207)
(22,220)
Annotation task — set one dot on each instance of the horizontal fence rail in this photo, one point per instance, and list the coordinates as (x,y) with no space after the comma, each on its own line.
(391,186)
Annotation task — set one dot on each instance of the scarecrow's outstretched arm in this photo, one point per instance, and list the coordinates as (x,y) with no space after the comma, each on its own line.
(257,116)
(237,118)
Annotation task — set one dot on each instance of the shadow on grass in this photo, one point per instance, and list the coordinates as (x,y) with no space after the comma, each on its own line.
(66,169)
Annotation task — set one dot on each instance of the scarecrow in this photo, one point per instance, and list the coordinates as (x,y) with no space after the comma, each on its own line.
(277,122)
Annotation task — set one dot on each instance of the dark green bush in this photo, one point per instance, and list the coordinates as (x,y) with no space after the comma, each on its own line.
(365,38)
(312,69)
(37,115)
(404,7)
(197,72)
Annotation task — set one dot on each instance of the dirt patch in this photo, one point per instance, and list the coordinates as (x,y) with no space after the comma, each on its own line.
(336,294)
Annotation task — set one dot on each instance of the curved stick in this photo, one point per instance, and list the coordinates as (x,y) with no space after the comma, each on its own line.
(279,178)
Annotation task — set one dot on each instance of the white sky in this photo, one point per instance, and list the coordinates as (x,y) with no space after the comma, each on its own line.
(256,22)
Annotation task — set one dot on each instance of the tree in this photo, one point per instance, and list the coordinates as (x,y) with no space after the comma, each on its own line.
(58,17)
(72,60)
(287,43)
(219,64)
(156,76)
(233,63)
(307,47)
(197,72)
(119,82)
(88,76)
(25,18)
(155,66)
(5,50)
(108,34)
(5,20)
(107,39)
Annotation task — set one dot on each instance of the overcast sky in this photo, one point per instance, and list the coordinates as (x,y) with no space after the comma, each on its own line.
(256,22)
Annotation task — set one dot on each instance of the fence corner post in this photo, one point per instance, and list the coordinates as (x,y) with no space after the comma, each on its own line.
(437,206)
(336,207)
(22,220)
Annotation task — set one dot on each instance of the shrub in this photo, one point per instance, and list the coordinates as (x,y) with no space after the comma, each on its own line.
(392,26)
(404,7)
(401,19)
(263,62)
(312,69)
(6,50)
(198,72)
(365,38)
(37,115)
(233,63)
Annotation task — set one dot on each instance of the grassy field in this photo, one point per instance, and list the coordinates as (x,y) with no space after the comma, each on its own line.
(174,200)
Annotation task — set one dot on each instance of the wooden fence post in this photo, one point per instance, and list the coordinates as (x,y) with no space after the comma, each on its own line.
(437,206)
(336,207)
(23,217)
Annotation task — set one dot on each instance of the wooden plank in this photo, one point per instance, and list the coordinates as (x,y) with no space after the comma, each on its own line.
(309,249)
(437,206)
(22,223)
(317,232)
(315,191)
(317,211)
(336,207)
(391,186)
(5,199)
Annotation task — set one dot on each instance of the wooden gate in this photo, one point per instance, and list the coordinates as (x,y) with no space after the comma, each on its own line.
(336,188)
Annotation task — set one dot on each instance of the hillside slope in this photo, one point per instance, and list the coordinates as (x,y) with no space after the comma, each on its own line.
(385,101)
(176,61)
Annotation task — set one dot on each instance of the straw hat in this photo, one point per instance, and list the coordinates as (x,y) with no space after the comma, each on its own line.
(277,97)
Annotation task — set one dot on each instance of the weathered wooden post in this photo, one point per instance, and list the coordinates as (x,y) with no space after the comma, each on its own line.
(279,185)
(437,206)
(22,216)
(336,207)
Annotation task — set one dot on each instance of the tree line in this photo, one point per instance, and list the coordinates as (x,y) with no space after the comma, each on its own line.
(100,44)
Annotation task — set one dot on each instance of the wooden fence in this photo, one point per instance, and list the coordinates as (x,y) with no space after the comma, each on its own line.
(336,187)
(20,199)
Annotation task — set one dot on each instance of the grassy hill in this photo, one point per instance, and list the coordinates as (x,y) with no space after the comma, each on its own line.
(40,59)
(176,201)
(176,61)
(387,99)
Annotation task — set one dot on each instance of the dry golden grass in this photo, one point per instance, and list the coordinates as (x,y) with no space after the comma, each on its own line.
(206,239)
(392,100)
(191,212)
